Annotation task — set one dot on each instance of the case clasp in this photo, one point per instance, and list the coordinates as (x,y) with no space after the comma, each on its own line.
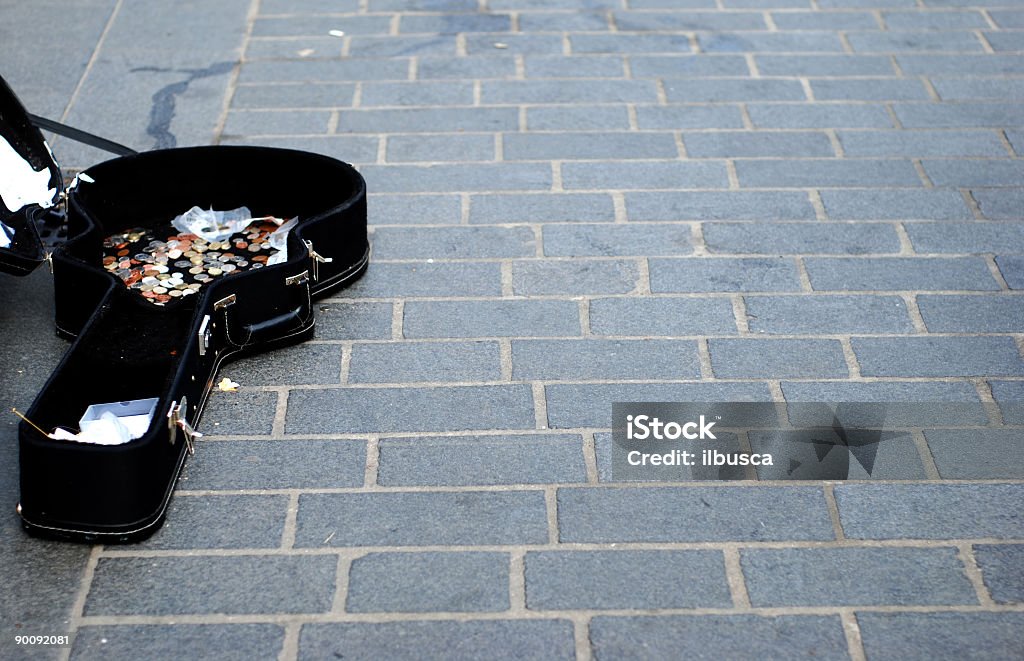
(317,258)
(205,333)
(177,419)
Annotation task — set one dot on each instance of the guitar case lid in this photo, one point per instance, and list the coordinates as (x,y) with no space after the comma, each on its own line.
(31,186)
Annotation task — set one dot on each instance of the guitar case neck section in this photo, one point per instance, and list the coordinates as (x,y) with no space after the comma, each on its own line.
(127,349)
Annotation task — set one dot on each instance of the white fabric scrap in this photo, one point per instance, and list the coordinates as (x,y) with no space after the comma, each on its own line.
(213,225)
(279,239)
(6,235)
(108,430)
(20,184)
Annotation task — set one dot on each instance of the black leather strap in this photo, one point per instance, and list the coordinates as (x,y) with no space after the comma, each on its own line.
(79,135)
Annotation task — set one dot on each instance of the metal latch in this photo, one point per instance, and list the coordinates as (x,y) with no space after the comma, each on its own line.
(298,279)
(176,420)
(225,302)
(317,258)
(205,333)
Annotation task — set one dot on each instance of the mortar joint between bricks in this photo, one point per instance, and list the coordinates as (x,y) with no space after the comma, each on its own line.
(833,512)
(371,471)
(973,572)
(972,203)
(584,311)
(590,457)
(851,358)
(735,578)
(984,390)
(914,311)
(517,581)
(985,45)
(851,630)
(581,637)
(290,644)
(877,15)
(551,507)
(924,452)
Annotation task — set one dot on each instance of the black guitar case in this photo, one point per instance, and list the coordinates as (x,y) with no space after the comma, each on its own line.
(126,348)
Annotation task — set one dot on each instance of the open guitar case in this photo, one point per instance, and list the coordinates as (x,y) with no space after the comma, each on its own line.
(125,348)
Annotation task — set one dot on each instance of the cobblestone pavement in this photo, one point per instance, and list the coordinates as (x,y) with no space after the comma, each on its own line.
(573,202)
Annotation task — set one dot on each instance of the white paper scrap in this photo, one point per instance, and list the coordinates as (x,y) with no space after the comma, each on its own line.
(20,184)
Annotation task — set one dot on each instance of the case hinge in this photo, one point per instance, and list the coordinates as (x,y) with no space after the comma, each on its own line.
(205,333)
(225,302)
(317,258)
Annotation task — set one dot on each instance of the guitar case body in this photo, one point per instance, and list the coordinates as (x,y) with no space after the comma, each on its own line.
(126,348)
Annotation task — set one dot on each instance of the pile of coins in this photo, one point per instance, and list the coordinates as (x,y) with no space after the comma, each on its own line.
(163,265)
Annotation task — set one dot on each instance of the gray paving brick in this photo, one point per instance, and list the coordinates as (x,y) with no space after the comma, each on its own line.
(729,144)
(428,120)
(482,460)
(895,41)
(977,454)
(604,450)
(689,117)
(734,89)
(221,522)
(307,364)
(938,356)
(452,242)
(428,582)
(1005,41)
(413,209)
(823,65)
(574,277)
(323,71)
(235,585)
(410,641)
(454,23)
(1010,396)
(762,4)
(541,208)
(270,7)
(347,148)
(975,237)
(639,175)
(719,636)
(568,91)
(819,20)
(266,464)
(921,143)
(310,95)
(961,64)
(629,43)
(419,93)
(421,518)
(955,115)
(458,177)
(298,26)
(972,314)
(734,357)
(271,122)
(423,5)
(971,89)
(724,275)
(577,118)
(465,67)
(942,635)
(502,42)
(558,66)
(864,455)
(827,314)
(687,66)
(733,205)
(661,316)
(354,410)
(997,204)
(1008,18)
(508,318)
(404,46)
(827,173)
(899,273)
(894,205)
(231,642)
(1012,270)
(569,360)
(909,403)
(572,406)
(291,48)
(933,20)
(797,238)
(564,22)
(444,279)
(856,577)
(617,239)
(425,361)
(338,320)
(243,412)
(668,514)
(928,511)
(573,146)
(773,42)
(819,116)
(690,21)
(570,580)
(669,4)
(1000,566)
(869,89)
(975,173)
